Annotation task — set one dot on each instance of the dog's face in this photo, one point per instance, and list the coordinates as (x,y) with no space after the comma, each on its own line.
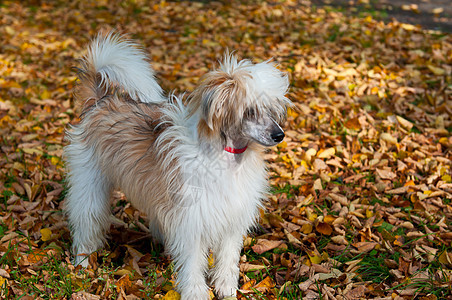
(243,101)
(261,129)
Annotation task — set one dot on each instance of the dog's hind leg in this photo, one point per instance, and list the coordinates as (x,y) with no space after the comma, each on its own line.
(87,202)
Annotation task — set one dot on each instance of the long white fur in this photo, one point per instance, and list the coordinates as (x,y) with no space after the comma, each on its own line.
(218,199)
(122,62)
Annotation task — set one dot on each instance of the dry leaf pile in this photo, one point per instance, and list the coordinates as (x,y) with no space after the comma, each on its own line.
(361,186)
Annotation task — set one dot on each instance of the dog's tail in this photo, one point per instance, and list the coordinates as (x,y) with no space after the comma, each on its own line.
(114,62)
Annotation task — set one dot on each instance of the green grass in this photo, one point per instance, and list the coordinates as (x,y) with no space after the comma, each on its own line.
(373,268)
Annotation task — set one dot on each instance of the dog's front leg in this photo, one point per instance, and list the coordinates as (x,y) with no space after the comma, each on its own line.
(225,274)
(191,264)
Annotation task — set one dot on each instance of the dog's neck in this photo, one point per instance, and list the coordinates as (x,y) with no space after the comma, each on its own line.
(236,146)
(235,150)
(232,149)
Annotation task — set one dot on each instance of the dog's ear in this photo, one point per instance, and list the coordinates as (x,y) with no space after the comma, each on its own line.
(219,99)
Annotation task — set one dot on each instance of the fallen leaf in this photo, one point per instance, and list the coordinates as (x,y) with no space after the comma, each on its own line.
(264,245)
(46,234)
(324,228)
(364,246)
(172,295)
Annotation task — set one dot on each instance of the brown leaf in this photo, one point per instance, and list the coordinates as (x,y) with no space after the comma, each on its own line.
(386,174)
(324,228)
(365,246)
(356,293)
(264,245)
(82,295)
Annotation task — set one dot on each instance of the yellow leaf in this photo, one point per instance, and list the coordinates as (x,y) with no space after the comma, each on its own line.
(408,27)
(3,282)
(445,258)
(45,95)
(315,259)
(46,234)
(374,90)
(447,178)
(9,30)
(122,272)
(5,120)
(436,70)
(437,10)
(311,216)
(306,228)
(68,42)
(172,295)
(292,113)
(327,153)
(388,138)
(211,261)
(32,151)
(282,145)
(54,160)
(444,141)
(398,241)
(18,166)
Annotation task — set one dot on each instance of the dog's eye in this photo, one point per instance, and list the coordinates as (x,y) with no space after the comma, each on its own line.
(250,113)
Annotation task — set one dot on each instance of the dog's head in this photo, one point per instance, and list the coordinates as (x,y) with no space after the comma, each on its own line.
(242,101)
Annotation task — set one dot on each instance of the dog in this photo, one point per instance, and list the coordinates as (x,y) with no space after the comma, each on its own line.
(193,164)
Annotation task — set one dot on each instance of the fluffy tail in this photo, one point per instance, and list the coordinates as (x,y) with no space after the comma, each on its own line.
(115,62)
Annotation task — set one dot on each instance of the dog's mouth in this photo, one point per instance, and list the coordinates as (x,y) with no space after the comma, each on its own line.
(267,133)
(270,140)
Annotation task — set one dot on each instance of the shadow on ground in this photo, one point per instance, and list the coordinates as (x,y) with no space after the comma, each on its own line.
(430,14)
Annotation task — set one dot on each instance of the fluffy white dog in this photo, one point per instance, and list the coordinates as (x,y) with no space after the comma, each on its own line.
(196,170)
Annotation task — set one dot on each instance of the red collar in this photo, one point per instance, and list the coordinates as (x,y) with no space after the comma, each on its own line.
(234,150)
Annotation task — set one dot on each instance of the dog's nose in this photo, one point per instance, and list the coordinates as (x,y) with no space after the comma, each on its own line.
(278,136)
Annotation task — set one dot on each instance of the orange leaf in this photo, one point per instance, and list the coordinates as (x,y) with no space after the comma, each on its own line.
(123,283)
(248,285)
(353,124)
(37,255)
(329,219)
(265,285)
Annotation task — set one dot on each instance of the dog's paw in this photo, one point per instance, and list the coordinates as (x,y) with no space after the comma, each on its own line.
(198,292)
(81,260)
(230,298)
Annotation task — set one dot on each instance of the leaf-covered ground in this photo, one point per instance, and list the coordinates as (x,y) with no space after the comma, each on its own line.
(361,187)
